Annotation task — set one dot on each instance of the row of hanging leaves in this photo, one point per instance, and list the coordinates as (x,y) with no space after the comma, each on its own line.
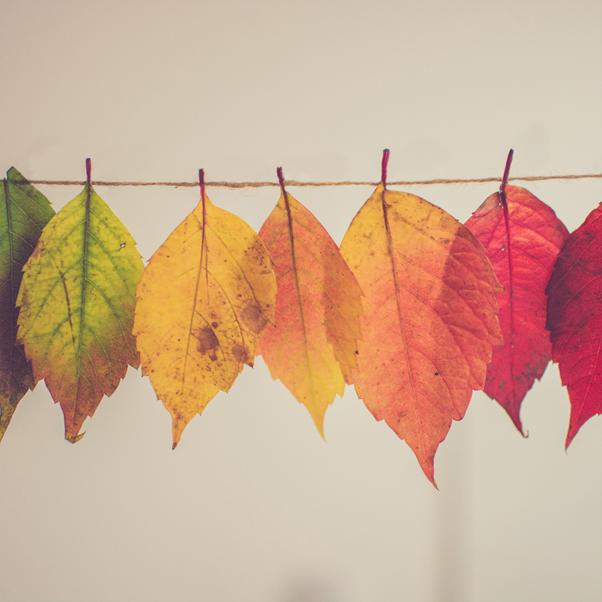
(415,309)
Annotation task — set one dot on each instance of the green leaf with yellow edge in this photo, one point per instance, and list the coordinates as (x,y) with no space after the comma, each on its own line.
(77,306)
(23,214)
(203,300)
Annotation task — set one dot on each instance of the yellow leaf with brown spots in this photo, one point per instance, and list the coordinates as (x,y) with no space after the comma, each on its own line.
(204,298)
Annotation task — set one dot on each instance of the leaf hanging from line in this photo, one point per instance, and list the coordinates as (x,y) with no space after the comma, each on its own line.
(430,316)
(77,306)
(203,300)
(430,323)
(24,213)
(523,237)
(575,320)
(312,348)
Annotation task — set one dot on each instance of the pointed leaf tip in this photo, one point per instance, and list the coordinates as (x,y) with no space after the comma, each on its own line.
(74,438)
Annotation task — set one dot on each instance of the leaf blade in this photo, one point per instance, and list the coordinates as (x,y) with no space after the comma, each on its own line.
(77,302)
(215,268)
(430,316)
(312,348)
(522,245)
(26,211)
(574,320)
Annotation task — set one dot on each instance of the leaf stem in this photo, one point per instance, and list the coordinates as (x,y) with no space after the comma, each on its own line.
(203,239)
(506,174)
(88,172)
(202,185)
(385,163)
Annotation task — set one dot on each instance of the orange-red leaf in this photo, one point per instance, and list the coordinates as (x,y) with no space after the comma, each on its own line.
(522,241)
(575,319)
(203,300)
(430,316)
(312,349)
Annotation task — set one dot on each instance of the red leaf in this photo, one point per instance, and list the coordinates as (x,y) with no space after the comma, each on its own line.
(575,319)
(523,237)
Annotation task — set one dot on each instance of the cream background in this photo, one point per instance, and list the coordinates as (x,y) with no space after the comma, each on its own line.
(253,505)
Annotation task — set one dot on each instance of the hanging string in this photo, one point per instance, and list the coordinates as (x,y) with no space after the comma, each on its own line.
(221,184)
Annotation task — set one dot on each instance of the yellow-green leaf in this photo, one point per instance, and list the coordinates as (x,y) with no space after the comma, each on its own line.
(77,306)
(204,298)
(24,212)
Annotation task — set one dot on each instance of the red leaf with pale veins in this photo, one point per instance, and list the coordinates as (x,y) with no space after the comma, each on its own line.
(522,241)
(575,319)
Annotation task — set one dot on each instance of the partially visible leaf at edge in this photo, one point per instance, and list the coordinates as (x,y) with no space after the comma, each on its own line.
(203,300)
(575,320)
(24,214)
(522,244)
(312,349)
(77,306)
(430,316)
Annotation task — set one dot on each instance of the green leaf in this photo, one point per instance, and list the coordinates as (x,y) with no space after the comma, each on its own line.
(24,212)
(77,306)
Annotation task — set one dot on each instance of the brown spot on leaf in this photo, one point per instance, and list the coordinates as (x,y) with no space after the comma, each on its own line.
(207,340)
(253,319)
(239,353)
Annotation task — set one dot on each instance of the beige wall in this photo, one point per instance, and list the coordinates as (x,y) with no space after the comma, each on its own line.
(253,505)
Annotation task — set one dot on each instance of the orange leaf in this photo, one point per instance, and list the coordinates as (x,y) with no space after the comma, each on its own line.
(204,298)
(313,348)
(430,316)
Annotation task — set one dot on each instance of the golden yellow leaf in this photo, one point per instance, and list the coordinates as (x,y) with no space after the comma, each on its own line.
(204,298)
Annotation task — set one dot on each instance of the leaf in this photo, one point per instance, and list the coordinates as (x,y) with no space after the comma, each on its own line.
(77,306)
(575,320)
(312,349)
(522,237)
(430,316)
(25,212)
(203,300)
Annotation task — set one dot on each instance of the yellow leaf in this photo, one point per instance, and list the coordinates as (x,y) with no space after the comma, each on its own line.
(204,298)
